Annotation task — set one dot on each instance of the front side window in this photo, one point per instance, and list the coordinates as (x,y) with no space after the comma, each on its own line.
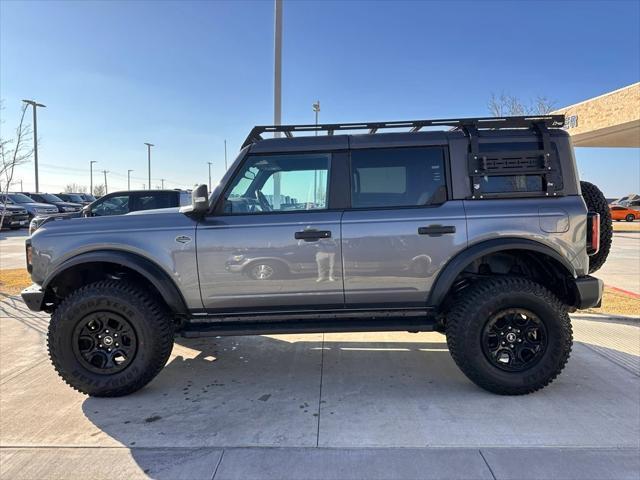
(397,177)
(279,183)
(112,206)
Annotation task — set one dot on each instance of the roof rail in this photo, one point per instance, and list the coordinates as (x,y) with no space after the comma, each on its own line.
(554,121)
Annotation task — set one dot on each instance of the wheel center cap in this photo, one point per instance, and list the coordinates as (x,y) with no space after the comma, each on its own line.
(511,337)
(107,341)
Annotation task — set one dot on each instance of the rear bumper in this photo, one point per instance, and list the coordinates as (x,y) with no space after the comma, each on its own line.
(33,296)
(588,292)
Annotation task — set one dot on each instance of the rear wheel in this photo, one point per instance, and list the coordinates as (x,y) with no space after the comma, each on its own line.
(109,338)
(630,218)
(596,202)
(509,335)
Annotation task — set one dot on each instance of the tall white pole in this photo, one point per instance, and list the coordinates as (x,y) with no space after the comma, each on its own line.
(277,90)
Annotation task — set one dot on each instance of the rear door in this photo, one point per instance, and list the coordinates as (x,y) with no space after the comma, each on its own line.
(401,228)
(275,243)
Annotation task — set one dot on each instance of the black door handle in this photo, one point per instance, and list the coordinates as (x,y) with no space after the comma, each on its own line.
(312,235)
(436,230)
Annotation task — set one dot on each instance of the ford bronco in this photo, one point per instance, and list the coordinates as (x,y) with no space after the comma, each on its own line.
(480,230)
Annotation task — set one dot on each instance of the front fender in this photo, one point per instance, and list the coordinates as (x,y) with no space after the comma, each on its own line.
(143,266)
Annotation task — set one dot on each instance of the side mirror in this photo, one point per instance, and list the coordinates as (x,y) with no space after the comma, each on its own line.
(199,201)
(86,211)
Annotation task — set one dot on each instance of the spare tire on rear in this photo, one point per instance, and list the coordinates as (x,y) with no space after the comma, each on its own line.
(596,202)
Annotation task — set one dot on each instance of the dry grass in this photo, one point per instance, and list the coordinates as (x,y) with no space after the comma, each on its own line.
(617,303)
(626,226)
(14,280)
(614,302)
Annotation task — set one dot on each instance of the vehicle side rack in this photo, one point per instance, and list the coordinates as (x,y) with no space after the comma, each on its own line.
(516,165)
(494,123)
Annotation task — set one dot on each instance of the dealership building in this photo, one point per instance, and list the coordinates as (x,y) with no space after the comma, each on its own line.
(609,120)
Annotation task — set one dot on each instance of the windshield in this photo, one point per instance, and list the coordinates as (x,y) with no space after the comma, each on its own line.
(89,197)
(20,198)
(50,198)
(75,198)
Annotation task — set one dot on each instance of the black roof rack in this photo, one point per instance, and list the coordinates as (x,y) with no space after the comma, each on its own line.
(554,121)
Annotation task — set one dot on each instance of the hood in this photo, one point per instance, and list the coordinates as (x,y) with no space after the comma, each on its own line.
(35,205)
(13,208)
(166,218)
(68,204)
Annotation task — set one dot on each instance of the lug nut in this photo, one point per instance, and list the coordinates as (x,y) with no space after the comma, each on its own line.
(519,340)
(100,345)
(107,331)
(511,346)
(117,344)
(115,334)
(108,350)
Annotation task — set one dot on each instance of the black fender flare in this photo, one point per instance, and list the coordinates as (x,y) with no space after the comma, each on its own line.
(143,266)
(450,272)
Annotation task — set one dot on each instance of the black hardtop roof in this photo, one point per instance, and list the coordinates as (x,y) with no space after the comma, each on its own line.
(467,125)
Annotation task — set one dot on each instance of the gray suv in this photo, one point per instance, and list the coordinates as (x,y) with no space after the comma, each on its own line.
(483,232)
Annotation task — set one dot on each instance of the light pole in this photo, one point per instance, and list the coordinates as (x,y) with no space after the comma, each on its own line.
(277,89)
(106,190)
(225,156)
(129,179)
(91,176)
(35,104)
(209,163)
(162,181)
(149,145)
(316,109)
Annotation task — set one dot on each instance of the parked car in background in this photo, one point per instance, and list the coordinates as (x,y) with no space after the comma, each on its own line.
(619,212)
(61,205)
(34,209)
(120,203)
(74,198)
(14,216)
(88,197)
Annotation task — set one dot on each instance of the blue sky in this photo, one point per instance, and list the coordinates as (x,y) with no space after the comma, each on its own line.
(187,75)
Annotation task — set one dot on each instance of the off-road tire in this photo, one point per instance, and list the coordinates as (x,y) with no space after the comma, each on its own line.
(471,311)
(596,202)
(150,320)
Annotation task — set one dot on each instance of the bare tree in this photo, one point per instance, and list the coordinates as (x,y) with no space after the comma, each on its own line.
(13,152)
(506,105)
(75,188)
(98,190)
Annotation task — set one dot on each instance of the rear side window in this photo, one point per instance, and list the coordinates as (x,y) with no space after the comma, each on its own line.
(152,201)
(397,177)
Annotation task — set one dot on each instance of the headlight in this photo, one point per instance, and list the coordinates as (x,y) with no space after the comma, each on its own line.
(69,209)
(237,258)
(40,210)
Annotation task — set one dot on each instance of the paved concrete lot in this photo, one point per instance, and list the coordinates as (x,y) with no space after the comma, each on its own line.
(12,248)
(374,405)
(622,268)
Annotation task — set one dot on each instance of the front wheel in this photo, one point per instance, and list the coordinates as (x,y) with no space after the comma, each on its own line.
(630,217)
(509,335)
(109,338)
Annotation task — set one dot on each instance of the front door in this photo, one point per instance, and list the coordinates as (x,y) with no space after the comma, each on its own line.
(400,230)
(275,245)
